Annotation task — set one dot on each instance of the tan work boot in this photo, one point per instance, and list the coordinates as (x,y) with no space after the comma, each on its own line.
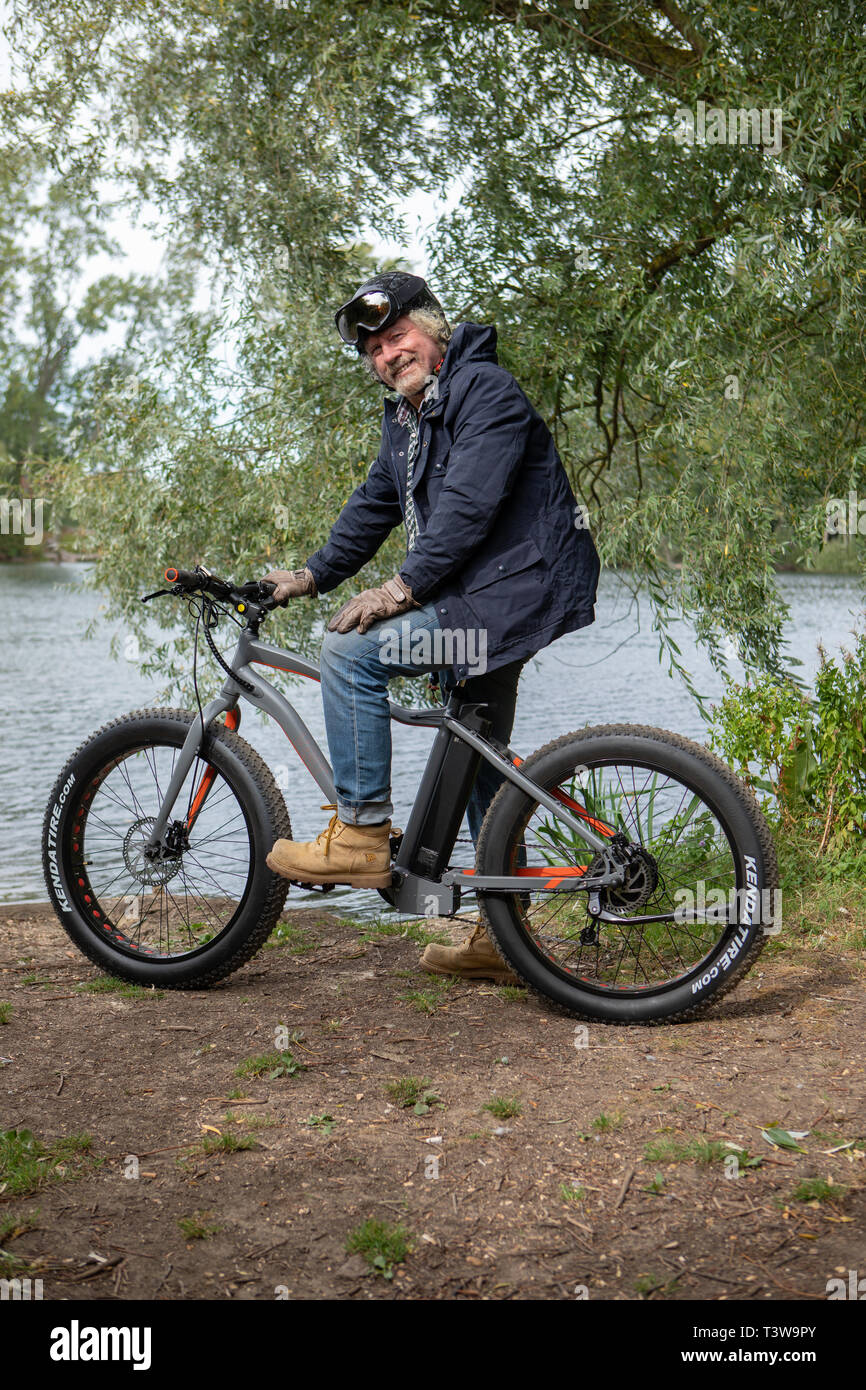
(476,958)
(359,855)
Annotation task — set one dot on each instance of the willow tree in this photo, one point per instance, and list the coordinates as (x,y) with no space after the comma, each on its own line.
(660,205)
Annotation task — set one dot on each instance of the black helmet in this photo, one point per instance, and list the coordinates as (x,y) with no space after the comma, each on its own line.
(380,302)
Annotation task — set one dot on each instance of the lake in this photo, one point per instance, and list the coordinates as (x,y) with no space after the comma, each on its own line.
(59,686)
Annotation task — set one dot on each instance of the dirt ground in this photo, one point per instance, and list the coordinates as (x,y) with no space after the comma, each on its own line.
(559,1201)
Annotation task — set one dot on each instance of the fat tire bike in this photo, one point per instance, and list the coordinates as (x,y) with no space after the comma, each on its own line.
(623,872)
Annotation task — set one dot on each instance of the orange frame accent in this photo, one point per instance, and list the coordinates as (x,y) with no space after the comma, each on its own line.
(572,805)
(233,719)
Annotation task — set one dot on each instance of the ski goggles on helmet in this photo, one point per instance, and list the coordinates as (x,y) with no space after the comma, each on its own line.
(373,311)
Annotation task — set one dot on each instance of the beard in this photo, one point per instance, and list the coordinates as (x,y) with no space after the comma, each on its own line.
(408,382)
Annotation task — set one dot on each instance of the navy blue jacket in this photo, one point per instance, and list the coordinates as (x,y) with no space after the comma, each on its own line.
(502,546)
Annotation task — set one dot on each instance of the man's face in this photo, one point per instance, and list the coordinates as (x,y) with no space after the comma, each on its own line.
(404,356)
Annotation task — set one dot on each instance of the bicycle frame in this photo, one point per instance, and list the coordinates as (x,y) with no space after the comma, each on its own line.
(422,883)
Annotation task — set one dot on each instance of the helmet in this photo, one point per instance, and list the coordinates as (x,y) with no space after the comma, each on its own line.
(380,302)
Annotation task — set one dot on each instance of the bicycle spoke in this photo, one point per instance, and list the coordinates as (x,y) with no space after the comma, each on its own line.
(169,906)
(685,851)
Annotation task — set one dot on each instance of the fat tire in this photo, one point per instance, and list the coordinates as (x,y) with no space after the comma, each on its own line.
(727,796)
(267,818)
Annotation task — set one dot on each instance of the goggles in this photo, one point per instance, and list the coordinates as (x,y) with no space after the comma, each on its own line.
(373,311)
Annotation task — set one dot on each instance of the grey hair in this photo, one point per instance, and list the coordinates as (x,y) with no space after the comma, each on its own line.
(436,326)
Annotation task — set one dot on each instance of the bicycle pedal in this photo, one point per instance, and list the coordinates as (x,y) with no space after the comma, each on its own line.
(313,887)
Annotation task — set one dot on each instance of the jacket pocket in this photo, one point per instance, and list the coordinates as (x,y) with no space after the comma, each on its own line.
(501,566)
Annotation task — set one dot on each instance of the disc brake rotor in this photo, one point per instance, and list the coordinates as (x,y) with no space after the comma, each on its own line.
(641,878)
(146,871)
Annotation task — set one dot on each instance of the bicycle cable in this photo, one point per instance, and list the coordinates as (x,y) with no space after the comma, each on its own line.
(211,610)
(198,613)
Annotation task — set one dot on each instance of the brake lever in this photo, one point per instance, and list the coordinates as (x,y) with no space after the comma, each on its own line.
(145,598)
(260,591)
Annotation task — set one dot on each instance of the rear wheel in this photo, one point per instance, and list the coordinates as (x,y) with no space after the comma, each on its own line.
(702,861)
(193,916)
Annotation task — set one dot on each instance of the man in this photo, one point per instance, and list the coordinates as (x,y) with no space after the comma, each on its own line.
(498,556)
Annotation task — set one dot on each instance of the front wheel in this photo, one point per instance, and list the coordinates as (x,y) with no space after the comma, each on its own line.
(700,861)
(194,915)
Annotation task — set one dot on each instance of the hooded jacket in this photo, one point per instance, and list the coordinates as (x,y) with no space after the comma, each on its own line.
(502,546)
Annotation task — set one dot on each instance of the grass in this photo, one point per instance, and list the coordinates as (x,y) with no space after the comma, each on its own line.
(237,1094)
(11,1227)
(503,1107)
(14,1267)
(195,1228)
(250,1121)
(656,1186)
(324,1123)
(406,1090)
(429,999)
(270,1065)
(107,984)
(825,909)
(603,1122)
(645,1284)
(227,1143)
(410,931)
(27,1164)
(332,1025)
(817,1190)
(700,1151)
(833,1137)
(298,940)
(572,1193)
(511,992)
(414,1091)
(382,1244)
(5,1012)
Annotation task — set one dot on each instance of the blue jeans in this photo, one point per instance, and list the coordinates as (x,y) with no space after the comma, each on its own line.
(355,671)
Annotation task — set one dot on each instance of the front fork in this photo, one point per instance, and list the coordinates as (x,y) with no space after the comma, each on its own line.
(157,846)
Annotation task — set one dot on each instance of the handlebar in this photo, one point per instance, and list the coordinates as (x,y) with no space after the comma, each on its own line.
(188,578)
(257,592)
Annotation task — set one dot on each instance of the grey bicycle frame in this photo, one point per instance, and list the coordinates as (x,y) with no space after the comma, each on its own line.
(411,892)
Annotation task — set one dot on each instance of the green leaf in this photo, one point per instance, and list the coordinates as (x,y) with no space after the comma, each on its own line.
(784,1139)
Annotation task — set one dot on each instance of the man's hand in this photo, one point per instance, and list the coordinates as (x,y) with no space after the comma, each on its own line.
(373,604)
(291,584)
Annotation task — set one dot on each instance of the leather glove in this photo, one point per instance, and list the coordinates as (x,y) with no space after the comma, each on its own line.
(369,607)
(291,584)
